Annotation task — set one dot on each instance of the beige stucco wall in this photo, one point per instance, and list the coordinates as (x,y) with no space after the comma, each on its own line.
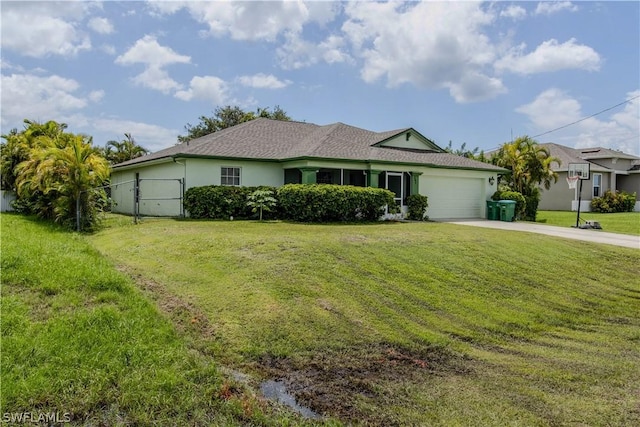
(453,193)
(560,197)
(615,164)
(158,182)
(201,172)
(122,191)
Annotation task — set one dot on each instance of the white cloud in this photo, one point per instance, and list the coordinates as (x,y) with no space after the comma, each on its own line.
(551,7)
(209,88)
(149,52)
(298,53)
(630,115)
(554,108)
(263,81)
(96,95)
(251,20)
(6,65)
(26,96)
(101,25)
(428,44)
(474,87)
(151,137)
(514,12)
(332,50)
(551,109)
(38,29)
(550,56)
(108,49)
(156,78)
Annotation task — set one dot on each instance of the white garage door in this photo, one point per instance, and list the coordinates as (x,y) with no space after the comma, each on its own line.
(451,197)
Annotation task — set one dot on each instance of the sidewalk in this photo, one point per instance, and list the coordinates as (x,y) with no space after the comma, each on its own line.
(595,236)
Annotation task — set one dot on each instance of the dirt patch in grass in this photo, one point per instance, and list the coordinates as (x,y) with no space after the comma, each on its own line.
(341,383)
(187,318)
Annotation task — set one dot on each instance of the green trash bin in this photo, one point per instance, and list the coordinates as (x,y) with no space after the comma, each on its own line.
(492,210)
(507,209)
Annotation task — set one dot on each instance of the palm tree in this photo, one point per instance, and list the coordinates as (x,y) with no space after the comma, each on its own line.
(69,177)
(18,146)
(529,163)
(540,165)
(121,151)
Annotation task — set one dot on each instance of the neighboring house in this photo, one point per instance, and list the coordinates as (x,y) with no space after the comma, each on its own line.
(610,170)
(274,153)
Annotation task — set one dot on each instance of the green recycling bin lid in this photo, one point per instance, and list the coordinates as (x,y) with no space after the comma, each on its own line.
(507,202)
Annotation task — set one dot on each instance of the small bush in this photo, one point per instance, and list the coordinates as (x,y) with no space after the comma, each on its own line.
(331,203)
(220,202)
(618,201)
(417,205)
(261,201)
(531,205)
(521,202)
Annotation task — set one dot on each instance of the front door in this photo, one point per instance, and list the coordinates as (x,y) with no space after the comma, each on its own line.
(395,184)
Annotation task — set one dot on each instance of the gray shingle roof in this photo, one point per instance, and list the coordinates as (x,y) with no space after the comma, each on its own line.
(572,155)
(604,153)
(265,139)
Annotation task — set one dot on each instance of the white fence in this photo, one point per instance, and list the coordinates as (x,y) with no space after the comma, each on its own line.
(6,199)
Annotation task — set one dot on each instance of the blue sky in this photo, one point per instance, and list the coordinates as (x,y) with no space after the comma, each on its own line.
(467,72)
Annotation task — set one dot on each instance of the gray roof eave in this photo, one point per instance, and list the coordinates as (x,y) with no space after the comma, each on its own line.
(491,168)
(168,158)
(127,166)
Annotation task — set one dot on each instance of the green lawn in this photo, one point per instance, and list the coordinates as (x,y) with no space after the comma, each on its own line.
(624,222)
(403,323)
(79,339)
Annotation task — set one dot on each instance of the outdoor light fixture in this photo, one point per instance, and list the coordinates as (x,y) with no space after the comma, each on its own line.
(491,180)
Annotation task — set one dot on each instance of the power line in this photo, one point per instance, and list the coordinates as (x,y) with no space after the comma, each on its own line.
(588,117)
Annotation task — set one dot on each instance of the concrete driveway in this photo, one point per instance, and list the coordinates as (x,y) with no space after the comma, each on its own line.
(596,236)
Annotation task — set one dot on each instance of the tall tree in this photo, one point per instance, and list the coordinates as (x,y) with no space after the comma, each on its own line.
(530,165)
(61,172)
(225,117)
(121,151)
(462,151)
(17,146)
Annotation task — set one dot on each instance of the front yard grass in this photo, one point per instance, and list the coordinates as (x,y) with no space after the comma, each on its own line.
(403,323)
(622,222)
(81,342)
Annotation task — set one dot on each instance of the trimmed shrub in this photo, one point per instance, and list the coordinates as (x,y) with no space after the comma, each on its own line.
(521,202)
(220,201)
(331,203)
(417,205)
(619,201)
(531,208)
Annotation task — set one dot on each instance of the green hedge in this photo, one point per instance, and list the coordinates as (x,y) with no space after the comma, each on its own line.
(417,205)
(221,202)
(521,202)
(330,203)
(614,202)
(296,202)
